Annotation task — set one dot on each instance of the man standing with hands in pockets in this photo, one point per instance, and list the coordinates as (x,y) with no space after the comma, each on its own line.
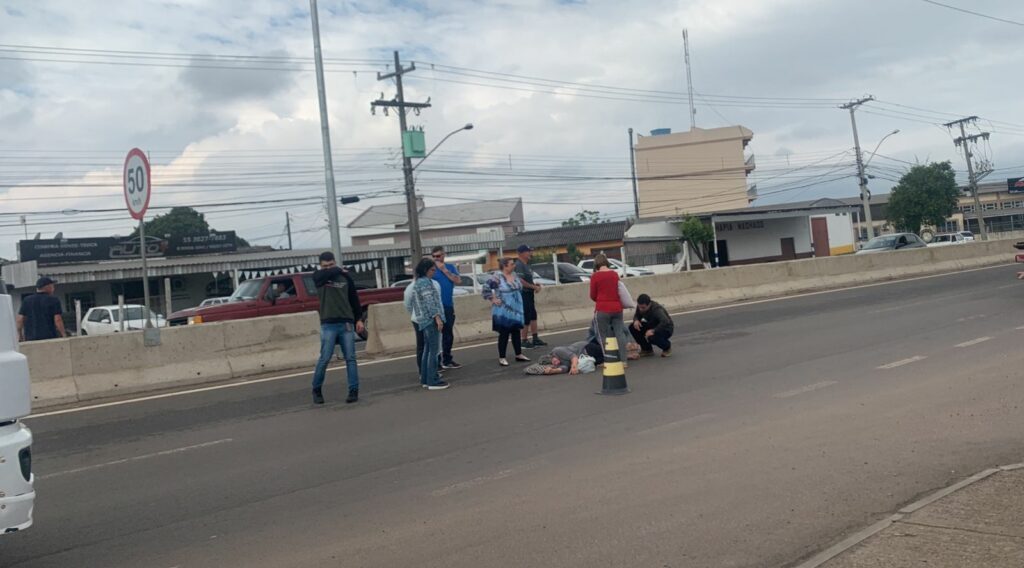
(525,272)
(447,275)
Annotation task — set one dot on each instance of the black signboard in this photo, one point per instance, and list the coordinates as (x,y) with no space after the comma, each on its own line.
(1015,185)
(64,251)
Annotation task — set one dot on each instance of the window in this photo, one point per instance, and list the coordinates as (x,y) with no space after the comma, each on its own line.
(281,288)
(97,316)
(989,206)
(88,300)
(310,285)
(967,208)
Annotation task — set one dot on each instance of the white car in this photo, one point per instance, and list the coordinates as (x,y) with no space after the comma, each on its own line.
(622,269)
(102,320)
(967,235)
(947,239)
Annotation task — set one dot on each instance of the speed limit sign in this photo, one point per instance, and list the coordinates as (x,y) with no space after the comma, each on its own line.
(136,183)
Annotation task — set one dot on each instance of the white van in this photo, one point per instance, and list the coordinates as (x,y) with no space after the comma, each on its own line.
(17,495)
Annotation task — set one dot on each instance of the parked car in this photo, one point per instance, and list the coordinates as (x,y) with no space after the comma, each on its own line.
(622,268)
(946,239)
(896,241)
(567,273)
(275,295)
(968,236)
(537,279)
(103,320)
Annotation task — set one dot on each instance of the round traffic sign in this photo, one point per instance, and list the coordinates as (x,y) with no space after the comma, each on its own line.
(136,183)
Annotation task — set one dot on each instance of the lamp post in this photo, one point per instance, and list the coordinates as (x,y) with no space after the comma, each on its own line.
(415,245)
(865,195)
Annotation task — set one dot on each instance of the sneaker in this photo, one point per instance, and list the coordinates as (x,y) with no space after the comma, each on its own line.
(646,353)
(522,358)
(452,365)
(440,385)
(503,362)
(318,396)
(353,395)
(666,353)
(528,344)
(538,343)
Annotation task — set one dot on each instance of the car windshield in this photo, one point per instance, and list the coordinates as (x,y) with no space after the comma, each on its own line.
(566,268)
(248,290)
(885,242)
(135,313)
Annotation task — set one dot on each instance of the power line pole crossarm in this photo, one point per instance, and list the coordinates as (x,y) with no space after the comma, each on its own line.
(399,103)
(965,141)
(862,181)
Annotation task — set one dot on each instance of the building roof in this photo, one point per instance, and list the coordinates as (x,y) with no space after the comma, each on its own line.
(471,212)
(562,236)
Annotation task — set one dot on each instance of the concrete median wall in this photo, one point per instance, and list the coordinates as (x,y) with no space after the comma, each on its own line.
(95,367)
(570,306)
(102,366)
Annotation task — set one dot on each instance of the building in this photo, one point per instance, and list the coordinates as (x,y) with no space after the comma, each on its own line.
(753,235)
(389,224)
(693,172)
(589,240)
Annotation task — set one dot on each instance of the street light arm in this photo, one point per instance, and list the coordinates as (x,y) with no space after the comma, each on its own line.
(438,145)
(879,145)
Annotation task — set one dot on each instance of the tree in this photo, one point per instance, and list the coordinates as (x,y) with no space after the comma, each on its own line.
(925,195)
(697,234)
(573,253)
(585,217)
(181,221)
(541,256)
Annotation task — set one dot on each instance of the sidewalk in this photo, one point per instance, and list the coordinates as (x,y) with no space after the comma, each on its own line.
(978,523)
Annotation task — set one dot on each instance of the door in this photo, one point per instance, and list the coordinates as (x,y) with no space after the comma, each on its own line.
(723,253)
(788,249)
(819,235)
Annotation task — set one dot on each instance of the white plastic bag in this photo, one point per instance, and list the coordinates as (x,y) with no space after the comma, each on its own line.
(625,298)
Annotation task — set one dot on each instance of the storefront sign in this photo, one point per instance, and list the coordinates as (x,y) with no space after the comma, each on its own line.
(64,251)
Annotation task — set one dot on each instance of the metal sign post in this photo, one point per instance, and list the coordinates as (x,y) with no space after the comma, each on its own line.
(137,192)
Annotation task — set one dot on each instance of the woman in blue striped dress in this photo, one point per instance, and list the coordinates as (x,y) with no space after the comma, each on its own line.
(504,292)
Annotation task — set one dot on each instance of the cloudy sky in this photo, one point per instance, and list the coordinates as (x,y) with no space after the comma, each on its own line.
(222,95)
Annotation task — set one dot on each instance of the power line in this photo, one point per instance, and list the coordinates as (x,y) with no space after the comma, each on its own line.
(973,13)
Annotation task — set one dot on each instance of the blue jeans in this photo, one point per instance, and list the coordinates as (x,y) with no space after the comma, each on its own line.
(332,334)
(431,347)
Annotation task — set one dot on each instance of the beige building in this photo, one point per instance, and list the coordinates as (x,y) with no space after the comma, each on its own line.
(693,172)
(389,224)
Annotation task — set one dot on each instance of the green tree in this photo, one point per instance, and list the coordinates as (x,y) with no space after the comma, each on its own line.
(181,221)
(585,217)
(925,195)
(573,253)
(698,234)
(541,256)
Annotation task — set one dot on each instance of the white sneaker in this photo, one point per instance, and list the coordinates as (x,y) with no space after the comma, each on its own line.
(503,362)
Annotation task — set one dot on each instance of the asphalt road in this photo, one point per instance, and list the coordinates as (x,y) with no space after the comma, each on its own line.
(776,428)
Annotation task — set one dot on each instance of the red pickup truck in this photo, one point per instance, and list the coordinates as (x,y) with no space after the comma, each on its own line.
(272,296)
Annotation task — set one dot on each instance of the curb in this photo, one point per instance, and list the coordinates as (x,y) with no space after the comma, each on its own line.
(860,536)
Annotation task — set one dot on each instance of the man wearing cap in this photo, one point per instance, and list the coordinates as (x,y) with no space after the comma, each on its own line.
(525,273)
(40,314)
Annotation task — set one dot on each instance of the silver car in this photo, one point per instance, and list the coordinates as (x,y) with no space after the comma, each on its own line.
(896,241)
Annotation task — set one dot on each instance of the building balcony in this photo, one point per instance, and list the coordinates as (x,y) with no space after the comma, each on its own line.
(749,164)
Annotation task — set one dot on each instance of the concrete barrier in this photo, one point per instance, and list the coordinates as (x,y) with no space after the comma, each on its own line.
(95,367)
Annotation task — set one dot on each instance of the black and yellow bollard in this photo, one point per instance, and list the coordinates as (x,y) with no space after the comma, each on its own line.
(614,380)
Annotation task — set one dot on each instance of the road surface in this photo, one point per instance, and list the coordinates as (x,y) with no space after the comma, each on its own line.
(776,428)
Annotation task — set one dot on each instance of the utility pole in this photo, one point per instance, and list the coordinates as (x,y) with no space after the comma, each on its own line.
(325,132)
(415,245)
(288,228)
(965,141)
(689,80)
(865,196)
(632,167)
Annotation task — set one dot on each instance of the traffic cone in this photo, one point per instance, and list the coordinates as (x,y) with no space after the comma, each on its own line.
(614,380)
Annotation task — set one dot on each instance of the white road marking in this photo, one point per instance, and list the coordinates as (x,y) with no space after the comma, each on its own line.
(136,458)
(805,389)
(677,424)
(969,318)
(1020,328)
(902,362)
(489,344)
(478,481)
(973,342)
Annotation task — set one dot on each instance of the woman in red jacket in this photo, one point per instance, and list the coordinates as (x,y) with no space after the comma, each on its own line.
(604,291)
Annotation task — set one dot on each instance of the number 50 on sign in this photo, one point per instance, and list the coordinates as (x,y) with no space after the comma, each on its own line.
(136,183)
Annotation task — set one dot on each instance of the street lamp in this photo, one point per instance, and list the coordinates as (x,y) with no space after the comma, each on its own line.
(862,180)
(414,222)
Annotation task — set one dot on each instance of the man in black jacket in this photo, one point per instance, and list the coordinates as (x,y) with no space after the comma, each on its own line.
(652,326)
(341,317)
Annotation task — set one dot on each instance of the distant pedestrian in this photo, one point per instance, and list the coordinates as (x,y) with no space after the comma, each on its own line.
(504,292)
(530,290)
(40,316)
(652,327)
(341,317)
(604,290)
(447,275)
(425,303)
(407,301)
